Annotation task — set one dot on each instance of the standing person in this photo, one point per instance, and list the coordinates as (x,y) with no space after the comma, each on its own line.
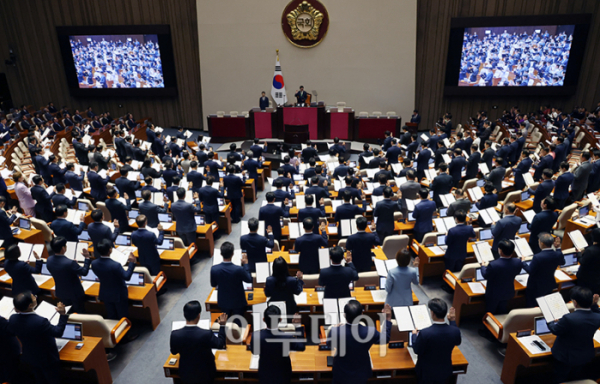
(384,212)
(442,184)
(336,278)
(21,272)
(588,275)
(543,189)
(37,337)
(562,184)
(228,279)
(146,242)
(6,219)
(312,212)
(399,280)
(434,345)
(497,174)
(500,275)
(183,215)
(234,185)
(194,346)
(574,344)
(65,228)
(361,244)
(43,201)
(423,215)
(273,346)
(282,287)
(97,183)
(581,177)
(209,197)
(301,96)
(352,365)
(542,222)
(271,214)
(506,228)
(254,244)
(9,354)
(112,277)
(541,281)
(520,169)
(66,273)
(456,240)
(23,193)
(308,246)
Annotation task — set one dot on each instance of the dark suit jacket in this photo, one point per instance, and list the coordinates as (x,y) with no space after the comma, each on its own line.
(589,271)
(318,192)
(98,186)
(194,346)
(43,203)
(308,246)
(275,366)
(285,291)
(574,344)
(37,335)
(504,153)
(183,214)
(66,274)
(361,244)
(252,166)
(196,179)
(496,176)
(473,165)
(75,181)
(336,280)
(118,211)
(434,345)
(500,275)
(208,196)
(99,231)
(522,168)
(151,211)
(423,215)
(67,229)
(146,242)
(488,157)
(20,273)
(392,154)
(112,278)
(271,215)
(254,245)
(545,162)
(234,185)
(580,182)
(456,240)
(347,211)
(505,228)
(455,168)
(543,190)
(441,185)
(542,222)
(58,199)
(541,280)
(314,213)
(464,204)
(562,184)
(309,152)
(227,278)
(58,174)
(355,366)
(341,170)
(5,222)
(127,186)
(384,211)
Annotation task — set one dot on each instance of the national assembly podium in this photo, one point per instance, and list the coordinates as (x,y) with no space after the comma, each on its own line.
(322,122)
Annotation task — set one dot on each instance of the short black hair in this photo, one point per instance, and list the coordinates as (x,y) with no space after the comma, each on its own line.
(347,195)
(104,246)
(507,247)
(361,223)
(387,192)
(547,173)
(12,252)
(308,224)
(96,215)
(438,307)
(352,310)
(181,193)
(583,296)
(227,250)
(309,199)
(192,309)
(22,301)
(60,187)
(423,193)
(57,244)
(460,216)
(270,197)
(336,254)
(272,316)
(60,210)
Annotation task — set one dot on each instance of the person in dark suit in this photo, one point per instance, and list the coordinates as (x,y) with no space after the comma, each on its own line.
(273,348)
(488,154)
(9,354)
(308,246)
(74,180)
(383,171)
(562,184)
(97,183)
(361,244)
(387,141)
(423,215)
(442,184)
(543,189)
(410,189)
(59,198)
(456,240)
(377,159)
(310,171)
(20,272)
(542,222)
(98,231)
(581,176)
(125,185)
(338,149)
(286,179)
(310,152)
(515,152)
(257,149)
(434,345)
(504,152)
(43,201)
(234,185)
(366,153)
(65,228)
(146,243)
(112,277)
(254,245)
(354,365)
(473,163)
(209,197)
(118,210)
(101,160)
(506,228)
(6,220)
(347,210)
(81,151)
(415,118)
(194,346)
(313,213)
(195,177)
(66,273)
(301,95)
(384,211)
(271,214)
(41,166)
(57,174)
(497,174)
(151,210)
(500,275)
(214,165)
(545,162)
(574,344)
(37,337)
(393,152)
(228,279)
(541,269)
(280,194)
(355,192)
(282,287)
(336,278)
(588,275)
(263,101)
(423,161)
(456,165)
(183,215)
(412,147)
(288,168)
(439,152)
(461,202)
(560,153)
(520,169)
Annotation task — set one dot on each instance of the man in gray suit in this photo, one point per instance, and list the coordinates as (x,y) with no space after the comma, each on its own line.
(582,175)
(410,189)
(462,203)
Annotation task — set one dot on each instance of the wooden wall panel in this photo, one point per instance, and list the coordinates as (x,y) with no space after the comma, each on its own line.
(28,26)
(433,26)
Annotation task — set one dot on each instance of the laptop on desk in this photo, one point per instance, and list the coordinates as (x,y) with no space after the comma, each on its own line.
(73,331)
(441,242)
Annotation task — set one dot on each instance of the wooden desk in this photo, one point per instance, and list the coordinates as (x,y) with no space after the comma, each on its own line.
(260,181)
(33,236)
(433,265)
(249,189)
(574,226)
(89,361)
(517,356)
(176,265)
(311,365)
(225,218)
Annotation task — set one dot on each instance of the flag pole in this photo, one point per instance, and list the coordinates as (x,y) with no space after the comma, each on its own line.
(277,50)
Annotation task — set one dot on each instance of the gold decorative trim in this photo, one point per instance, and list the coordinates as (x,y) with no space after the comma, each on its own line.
(313,15)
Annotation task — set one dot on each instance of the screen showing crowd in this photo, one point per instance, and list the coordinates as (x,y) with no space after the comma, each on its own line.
(515,56)
(117,61)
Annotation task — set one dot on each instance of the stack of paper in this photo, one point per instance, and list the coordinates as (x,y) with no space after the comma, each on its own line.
(476,287)
(48,311)
(522,247)
(553,306)
(263,270)
(528,179)
(379,296)
(489,215)
(483,252)
(578,239)
(413,317)
(6,307)
(484,168)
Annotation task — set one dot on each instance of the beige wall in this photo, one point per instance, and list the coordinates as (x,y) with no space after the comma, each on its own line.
(367,58)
